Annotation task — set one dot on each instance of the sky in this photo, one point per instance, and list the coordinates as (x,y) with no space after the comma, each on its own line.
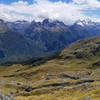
(68,11)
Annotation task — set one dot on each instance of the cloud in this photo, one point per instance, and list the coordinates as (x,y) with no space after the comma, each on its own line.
(41,9)
(87,4)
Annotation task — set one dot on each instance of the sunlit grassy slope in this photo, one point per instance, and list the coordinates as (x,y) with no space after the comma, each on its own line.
(73,75)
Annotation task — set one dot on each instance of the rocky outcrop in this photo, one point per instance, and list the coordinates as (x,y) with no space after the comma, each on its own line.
(57,84)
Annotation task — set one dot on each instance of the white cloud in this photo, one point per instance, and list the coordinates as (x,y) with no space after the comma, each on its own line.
(66,12)
(87,4)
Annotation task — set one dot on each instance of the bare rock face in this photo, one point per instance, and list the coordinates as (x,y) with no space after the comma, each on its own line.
(5,97)
(3,27)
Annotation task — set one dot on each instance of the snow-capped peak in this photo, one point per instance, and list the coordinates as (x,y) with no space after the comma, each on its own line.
(21,22)
(87,22)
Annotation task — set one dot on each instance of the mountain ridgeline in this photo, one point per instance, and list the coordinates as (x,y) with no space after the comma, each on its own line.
(22,41)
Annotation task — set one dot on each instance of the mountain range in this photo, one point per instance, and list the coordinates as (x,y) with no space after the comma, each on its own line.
(21,41)
(42,61)
(73,73)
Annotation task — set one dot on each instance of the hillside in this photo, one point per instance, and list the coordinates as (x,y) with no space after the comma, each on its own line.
(15,48)
(73,74)
(83,50)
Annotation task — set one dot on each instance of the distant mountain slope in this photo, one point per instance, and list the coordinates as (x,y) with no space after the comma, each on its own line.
(18,26)
(53,36)
(3,27)
(24,40)
(92,27)
(16,48)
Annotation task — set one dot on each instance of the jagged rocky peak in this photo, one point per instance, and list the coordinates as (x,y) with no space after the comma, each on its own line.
(52,23)
(57,22)
(45,22)
(34,23)
(1,21)
(18,26)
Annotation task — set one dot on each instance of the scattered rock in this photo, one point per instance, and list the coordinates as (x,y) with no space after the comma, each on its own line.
(6,97)
(49,77)
(17,92)
(86,98)
(83,81)
(28,89)
(96,64)
(57,84)
(68,76)
(89,73)
(8,76)
(17,70)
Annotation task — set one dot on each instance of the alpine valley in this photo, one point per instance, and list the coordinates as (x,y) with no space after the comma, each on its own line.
(49,60)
